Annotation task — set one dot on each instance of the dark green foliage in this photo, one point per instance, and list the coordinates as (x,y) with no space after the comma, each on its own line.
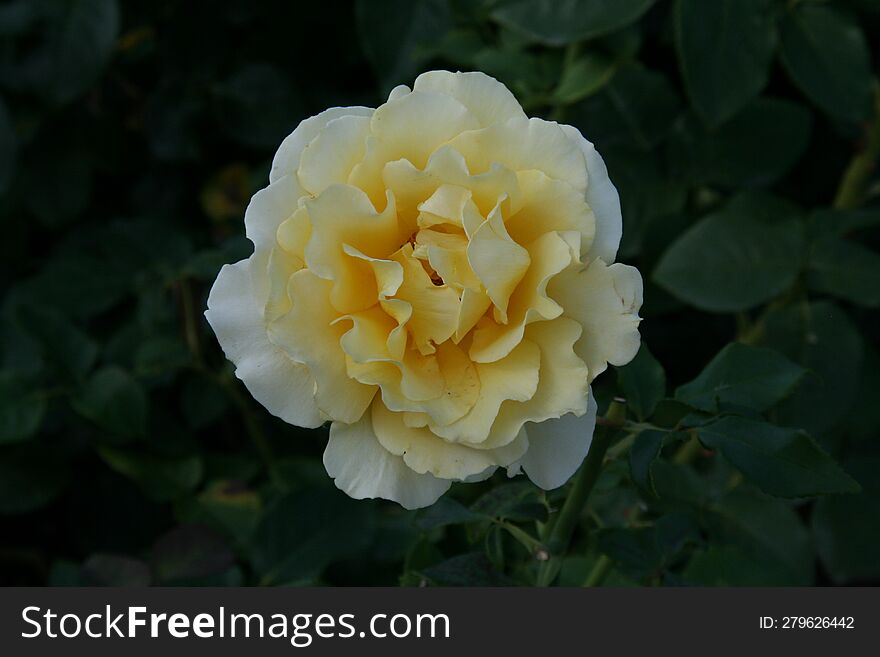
(133,134)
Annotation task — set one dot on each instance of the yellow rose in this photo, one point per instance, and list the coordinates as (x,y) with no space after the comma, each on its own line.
(435,278)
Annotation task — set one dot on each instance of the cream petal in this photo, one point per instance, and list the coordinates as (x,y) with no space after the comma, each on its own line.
(605,300)
(484,96)
(329,158)
(344,215)
(519,144)
(550,205)
(562,383)
(363,469)
(498,261)
(310,334)
(602,198)
(426,453)
(286,160)
(550,254)
(283,386)
(558,447)
(514,377)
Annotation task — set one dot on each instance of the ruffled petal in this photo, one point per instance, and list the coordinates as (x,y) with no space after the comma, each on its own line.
(329,158)
(558,447)
(363,469)
(603,199)
(605,300)
(283,386)
(310,334)
(426,453)
(286,160)
(484,96)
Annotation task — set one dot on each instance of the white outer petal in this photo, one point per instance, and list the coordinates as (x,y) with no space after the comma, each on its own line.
(286,160)
(362,468)
(603,199)
(558,447)
(284,387)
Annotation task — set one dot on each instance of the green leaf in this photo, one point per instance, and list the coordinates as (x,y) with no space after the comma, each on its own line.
(162,477)
(643,383)
(473,569)
(189,552)
(645,101)
(583,77)
(729,565)
(847,532)
(397,34)
(446,511)
(114,570)
(257,105)
(642,455)
(67,348)
(724,48)
(115,401)
(845,269)
(768,532)
(742,376)
(820,337)
(515,500)
(648,551)
(725,156)
(827,222)
(79,41)
(21,409)
(558,22)
(826,54)
(226,506)
(780,461)
(32,474)
(736,258)
(302,533)
(8,146)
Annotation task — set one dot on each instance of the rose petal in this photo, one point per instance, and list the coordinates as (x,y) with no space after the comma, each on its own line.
(602,198)
(558,447)
(329,158)
(484,96)
(286,160)
(284,387)
(605,300)
(363,469)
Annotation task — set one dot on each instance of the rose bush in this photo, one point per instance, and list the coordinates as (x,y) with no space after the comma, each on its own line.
(435,277)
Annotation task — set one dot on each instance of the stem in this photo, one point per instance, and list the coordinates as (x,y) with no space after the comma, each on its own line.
(190,325)
(563,529)
(599,572)
(853,187)
(688,452)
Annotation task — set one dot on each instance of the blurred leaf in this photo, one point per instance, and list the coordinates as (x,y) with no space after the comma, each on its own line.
(115,401)
(742,376)
(78,43)
(826,54)
(31,476)
(725,48)
(397,34)
(583,77)
(827,222)
(202,401)
(17,16)
(70,350)
(644,101)
(304,532)
(846,270)
(643,383)
(820,337)
(114,570)
(160,354)
(189,552)
(472,569)
(258,106)
(446,511)
(783,462)
(227,506)
(644,452)
(728,565)
(647,551)
(515,500)
(21,408)
(162,477)
(847,532)
(769,532)
(736,258)
(725,156)
(58,183)
(558,22)
(8,147)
